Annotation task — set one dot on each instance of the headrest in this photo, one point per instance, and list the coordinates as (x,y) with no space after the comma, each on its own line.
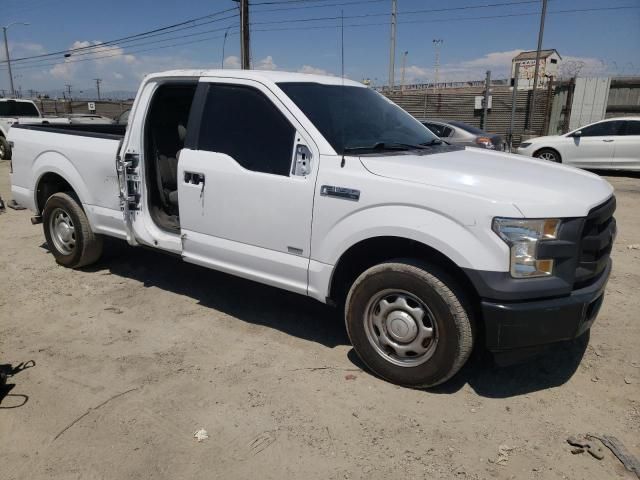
(182,132)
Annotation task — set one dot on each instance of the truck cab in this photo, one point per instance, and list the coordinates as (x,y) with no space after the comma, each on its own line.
(323,187)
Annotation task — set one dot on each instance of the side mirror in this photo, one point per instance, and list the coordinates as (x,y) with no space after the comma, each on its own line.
(577,133)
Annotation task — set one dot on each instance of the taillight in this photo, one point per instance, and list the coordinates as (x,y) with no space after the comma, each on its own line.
(485,142)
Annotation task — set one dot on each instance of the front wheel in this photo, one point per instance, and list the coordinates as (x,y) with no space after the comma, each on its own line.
(407,322)
(68,233)
(5,149)
(548,154)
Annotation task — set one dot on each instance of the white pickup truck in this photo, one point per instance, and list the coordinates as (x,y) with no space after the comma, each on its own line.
(16,111)
(323,187)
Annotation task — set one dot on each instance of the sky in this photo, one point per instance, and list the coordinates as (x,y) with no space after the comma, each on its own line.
(475,38)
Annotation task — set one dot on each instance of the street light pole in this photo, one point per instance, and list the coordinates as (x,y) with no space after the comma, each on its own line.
(224,43)
(6,51)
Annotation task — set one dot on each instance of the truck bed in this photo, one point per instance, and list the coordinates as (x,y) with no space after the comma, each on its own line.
(114,132)
(83,155)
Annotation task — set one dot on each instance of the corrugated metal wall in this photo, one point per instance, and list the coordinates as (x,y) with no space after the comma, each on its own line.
(589,101)
(624,97)
(61,107)
(458,104)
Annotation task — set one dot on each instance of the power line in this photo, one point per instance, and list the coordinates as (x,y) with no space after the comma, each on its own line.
(440,20)
(319,27)
(28,67)
(99,49)
(324,5)
(184,24)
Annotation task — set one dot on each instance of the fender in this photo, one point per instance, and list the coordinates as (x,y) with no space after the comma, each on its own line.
(467,246)
(54,162)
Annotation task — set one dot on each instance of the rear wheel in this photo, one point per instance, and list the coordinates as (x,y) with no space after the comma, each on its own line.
(68,233)
(5,149)
(407,322)
(548,154)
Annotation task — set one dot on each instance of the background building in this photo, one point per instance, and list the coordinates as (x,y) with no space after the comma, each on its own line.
(549,65)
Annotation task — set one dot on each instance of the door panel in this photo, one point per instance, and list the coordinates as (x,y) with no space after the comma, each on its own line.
(595,147)
(237,219)
(627,154)
(589,152)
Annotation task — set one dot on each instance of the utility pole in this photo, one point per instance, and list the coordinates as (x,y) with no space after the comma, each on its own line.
(244,35)
(485,102)
(68,87)
(6,52)
(7,56)
(392,50)
(437,42)
(404,66)
(537,67)
(514,101)
(98,82)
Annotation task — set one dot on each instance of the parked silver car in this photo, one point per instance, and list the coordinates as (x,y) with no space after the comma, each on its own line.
(460,133)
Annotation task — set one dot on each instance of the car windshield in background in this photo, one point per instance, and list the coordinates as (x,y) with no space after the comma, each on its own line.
(358,119)
(468,128)
(18,109)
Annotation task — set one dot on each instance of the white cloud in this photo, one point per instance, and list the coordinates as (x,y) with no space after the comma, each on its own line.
(231,62)
(313,70)
(266,64)
(493,59)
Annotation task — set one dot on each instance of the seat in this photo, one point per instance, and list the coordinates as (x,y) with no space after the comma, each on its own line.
(167,171)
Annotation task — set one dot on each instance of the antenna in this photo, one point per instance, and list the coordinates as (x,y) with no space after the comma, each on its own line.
(342,162)
(342,42)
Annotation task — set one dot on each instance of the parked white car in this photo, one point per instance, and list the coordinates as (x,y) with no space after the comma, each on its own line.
(321,186)
(613,143)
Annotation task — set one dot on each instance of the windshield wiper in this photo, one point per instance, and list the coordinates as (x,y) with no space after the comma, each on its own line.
(435,141)
(386,146)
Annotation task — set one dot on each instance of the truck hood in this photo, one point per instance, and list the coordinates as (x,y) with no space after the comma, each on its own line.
(535,187)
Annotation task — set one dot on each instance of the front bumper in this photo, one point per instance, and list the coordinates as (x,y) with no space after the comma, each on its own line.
(527,325)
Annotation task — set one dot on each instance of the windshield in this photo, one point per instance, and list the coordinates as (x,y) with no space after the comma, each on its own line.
(358,119)
(11,108)
(467,128)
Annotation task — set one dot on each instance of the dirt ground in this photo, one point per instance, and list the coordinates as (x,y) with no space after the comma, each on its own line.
(127,359)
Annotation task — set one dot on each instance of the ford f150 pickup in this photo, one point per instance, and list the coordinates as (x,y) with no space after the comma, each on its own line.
(321,186)
(15,111)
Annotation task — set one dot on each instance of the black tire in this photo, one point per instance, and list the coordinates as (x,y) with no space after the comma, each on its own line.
(86,246)
(5,149)
(548,154)
(450,318)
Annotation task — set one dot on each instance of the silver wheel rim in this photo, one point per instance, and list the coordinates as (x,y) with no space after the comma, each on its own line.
(2,152)
(547,156)
(401,328)
(62,231)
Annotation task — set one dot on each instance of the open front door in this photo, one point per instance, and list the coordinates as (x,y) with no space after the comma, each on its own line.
(246,188)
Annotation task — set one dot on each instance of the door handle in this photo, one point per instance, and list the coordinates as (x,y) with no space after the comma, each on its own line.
(193,178)
(608,140)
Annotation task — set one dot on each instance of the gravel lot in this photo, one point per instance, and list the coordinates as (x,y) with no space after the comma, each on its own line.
(130,357)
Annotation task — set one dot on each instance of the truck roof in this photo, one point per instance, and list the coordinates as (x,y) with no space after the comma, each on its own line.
(268,76)
(21,100)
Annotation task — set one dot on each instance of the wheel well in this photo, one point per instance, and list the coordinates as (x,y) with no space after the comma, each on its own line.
(372,251)
(548,148)
(49,184)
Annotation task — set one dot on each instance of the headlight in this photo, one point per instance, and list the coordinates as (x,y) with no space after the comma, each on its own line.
(523,237)
(525,145)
